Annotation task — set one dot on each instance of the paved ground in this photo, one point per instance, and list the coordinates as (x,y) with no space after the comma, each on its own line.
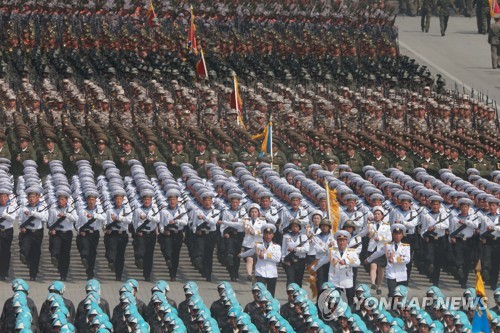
(462,56)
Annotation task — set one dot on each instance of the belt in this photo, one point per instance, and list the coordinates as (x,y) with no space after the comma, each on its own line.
(118,232)
(34,230)
(5,229)
(63,231)
(172,231)
(148,232)
(90,231)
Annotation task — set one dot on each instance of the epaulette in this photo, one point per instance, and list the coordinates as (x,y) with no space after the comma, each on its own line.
(387,223)
(351,249)
(387,243)
(404,244)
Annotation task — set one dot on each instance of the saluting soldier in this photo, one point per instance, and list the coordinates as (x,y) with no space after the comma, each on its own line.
(342,260)
(490,242)
(203,223)
(397,255)
(118,219)
(434,225)
(31,219)
(145,221)
(173,219)
(232,228)
(462,228)
(8,215)
(293,253)
(60,224)
(90,220)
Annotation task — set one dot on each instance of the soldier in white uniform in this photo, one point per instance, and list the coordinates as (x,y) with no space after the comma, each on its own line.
(268,257)
(253,228)
(434,225)
(462,228)
(31,219)
(118,219)
(294,249)
(203,225)
(173,219)
(8,215)
(90,220)
(145,222)
(322,242)
(60,223)
(397,255)
(342,260)
(352,213)
(379,233)
(232,227)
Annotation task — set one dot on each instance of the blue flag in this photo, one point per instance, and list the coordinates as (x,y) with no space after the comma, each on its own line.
(480,323)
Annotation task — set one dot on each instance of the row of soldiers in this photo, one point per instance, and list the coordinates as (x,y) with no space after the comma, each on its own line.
(263,314)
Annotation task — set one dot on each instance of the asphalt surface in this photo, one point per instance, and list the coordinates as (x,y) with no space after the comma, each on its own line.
(462,56)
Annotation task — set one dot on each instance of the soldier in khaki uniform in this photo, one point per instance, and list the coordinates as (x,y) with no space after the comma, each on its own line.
(152,156)
(103,153)
(305,159)
(429,163)
(353,160)
(455,164)
(177,157)
(201,155)
(228,150)
(24,152)
(402,161)
(279,157)
(4,147)
(494,40)
(379,161)
(50,153)
(481,164)
(76,154)
(128,153)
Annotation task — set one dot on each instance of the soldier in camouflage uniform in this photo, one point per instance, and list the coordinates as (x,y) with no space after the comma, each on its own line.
(443,8)
(396,122)
(482,16)
(4,147)
(306,122)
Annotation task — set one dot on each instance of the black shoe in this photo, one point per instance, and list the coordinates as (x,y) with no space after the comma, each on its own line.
(139,263)
(23,259)
(118,278)
(63,278)
(233,279)
(427,30)
(111,266)
(173,279)
(169,264)
(147,278)
(54,261)
(208,279)
(32,278)
(442,34)
(85,263)
(2,278)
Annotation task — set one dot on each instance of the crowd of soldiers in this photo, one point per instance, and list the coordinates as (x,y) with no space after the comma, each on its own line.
(263,314)
(109,130)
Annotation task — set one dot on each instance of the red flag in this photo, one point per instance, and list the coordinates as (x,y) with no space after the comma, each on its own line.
(191,36)
(494,7)
(201,67)
(151,13)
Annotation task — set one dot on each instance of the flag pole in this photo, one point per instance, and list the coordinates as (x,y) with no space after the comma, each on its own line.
(327,188)
(204,64)
(236,99)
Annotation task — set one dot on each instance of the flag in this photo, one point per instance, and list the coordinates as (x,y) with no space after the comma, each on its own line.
(267,143)
(494,7)
(482,317)
(333,207)
(201,66)
(151,13)
(236,102)
(192,47)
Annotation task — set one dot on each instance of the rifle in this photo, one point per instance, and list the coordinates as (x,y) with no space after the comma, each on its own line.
(432,233)
(459,229)
(146,221)
(29,220)
(87,225)
(57,223)
(174,226)
(292,257)
(2,219)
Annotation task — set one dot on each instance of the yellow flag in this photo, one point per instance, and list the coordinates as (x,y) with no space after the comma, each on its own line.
(333,207)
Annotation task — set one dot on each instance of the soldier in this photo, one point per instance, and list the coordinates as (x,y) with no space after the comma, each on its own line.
(322,242)
(482,15)
(232,228)
(201,155)
(341,261)
(76,154)
(305,158)
(279,158)
(490,243)
(178,157)
(293,253)
(4,147)
(50,153)
(203,221)
(380,162)
(9,311)
(434,225)
(455,164)
(494,40)
(252,228)
(127,153)
(228,150)
(60,224)
(31,219)
(398,256)
(403,162)
(45,317)
(24,152)
(103,153)
(89,223)
(7,218)
(482,165)
(429,163)
(443,9)
(462,228)
(426,12)
(353,160)
(152,156)
(173,220)
(145,221)
(268,256)
(378,233)
(118,219)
